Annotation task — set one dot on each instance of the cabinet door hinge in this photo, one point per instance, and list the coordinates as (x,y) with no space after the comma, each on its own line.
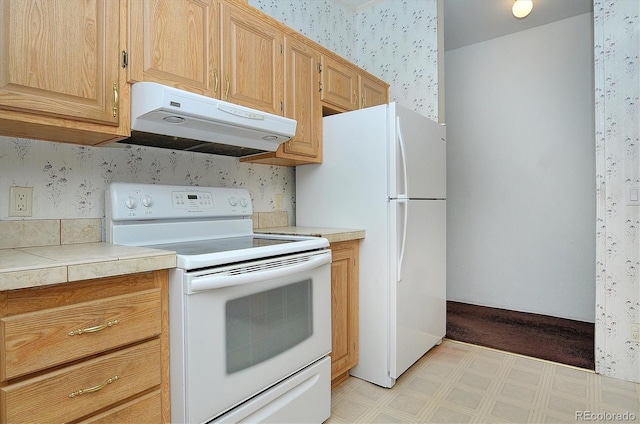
(281,107)
(281,49)
(320,87)
(125,59)
(319,68)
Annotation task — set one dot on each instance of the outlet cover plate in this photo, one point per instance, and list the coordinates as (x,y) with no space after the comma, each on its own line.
(20,201)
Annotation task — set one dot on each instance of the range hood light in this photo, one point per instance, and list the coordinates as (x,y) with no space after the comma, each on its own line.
(173,119)
(270,138)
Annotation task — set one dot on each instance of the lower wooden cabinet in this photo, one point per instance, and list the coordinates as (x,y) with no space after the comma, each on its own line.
(344,313)
(93,350)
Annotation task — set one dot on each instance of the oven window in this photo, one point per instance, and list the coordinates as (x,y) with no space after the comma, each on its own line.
(265,324)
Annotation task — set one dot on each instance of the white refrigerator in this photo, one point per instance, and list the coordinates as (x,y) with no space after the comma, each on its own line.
(384,171)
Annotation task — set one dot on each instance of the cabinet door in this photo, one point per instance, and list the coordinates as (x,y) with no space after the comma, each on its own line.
(61,59)
(252,63)
(372,93)
(344,309)
(302,98)
(339,84)
(174,42)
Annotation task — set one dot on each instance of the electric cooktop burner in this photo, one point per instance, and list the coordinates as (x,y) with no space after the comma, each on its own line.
(199,247)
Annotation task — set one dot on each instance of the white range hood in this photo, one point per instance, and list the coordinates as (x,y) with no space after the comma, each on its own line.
(167,117)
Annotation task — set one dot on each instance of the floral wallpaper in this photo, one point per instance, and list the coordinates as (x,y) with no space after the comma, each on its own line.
(69,181)
(326,22)
(395,40)
(617,95)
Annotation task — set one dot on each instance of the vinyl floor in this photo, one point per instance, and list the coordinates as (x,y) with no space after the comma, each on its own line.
(458,382)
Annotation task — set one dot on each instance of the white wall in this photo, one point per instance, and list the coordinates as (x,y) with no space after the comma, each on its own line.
(521,171)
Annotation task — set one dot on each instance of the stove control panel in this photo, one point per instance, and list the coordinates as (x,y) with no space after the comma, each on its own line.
(129,202)
(192,200)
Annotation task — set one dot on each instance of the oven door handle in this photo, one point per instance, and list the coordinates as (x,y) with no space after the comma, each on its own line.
(210,282)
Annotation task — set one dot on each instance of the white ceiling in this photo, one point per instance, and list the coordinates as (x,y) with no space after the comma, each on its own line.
(472,21)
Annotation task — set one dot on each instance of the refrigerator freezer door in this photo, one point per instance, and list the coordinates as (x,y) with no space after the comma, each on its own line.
(417,155)
(417,308)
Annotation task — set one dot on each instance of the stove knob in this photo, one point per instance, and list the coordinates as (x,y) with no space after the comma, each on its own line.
(130,203)
(233,201)
(147,201)
(243,202)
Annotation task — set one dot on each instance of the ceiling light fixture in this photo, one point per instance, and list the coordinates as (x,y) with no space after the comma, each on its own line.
(522,8)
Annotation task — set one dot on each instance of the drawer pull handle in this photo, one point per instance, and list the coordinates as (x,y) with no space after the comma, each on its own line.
(94,388)
(93,329)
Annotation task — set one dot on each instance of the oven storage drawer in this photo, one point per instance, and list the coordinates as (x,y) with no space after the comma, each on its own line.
(78,390)
(34,341)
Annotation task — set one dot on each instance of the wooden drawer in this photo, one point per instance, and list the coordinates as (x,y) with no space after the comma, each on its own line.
(37,340)
(56,396)
(142,410)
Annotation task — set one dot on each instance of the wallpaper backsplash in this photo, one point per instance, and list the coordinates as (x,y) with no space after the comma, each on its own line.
(617,96)
(69,181)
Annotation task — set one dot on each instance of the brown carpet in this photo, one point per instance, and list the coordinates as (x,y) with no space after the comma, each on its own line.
(540,336)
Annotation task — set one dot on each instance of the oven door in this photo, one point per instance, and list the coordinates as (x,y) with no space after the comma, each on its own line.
(244,328)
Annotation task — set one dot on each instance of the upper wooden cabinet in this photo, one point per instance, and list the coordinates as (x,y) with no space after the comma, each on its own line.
(218,49)
(302,103)
(339,84)
(302,99)
(60,75)
(175,42)
(252,60)
(66,69)
(372,92)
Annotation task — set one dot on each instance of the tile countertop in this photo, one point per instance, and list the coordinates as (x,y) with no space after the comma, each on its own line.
(40,266)
(334,235)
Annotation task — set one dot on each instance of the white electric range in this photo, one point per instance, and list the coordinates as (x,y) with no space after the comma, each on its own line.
(249,314)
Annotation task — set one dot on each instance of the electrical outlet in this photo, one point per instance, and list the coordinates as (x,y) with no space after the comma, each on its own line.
(634,328)
(277,201)
(20,201)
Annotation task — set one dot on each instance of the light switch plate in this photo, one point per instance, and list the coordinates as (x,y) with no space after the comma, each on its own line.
(632,196)
(634,330)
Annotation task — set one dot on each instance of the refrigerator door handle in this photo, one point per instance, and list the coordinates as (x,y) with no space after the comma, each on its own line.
(404,202)
(403,157)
